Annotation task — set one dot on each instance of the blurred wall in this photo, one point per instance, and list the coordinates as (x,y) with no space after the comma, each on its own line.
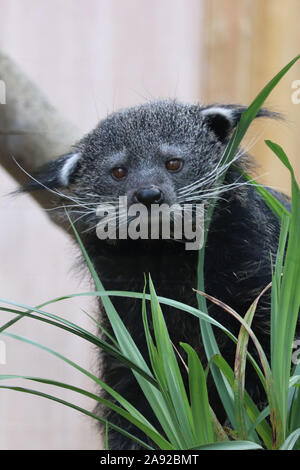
(90,57)
(246,42)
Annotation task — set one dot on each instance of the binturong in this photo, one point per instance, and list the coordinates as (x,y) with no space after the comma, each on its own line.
(166,153)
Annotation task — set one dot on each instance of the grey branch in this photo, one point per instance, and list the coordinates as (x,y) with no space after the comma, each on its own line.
(32,131)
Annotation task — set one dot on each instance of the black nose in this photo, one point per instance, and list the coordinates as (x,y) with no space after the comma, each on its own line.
(148,196)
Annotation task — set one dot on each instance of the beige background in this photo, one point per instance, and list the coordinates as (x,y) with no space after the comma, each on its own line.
(91,57)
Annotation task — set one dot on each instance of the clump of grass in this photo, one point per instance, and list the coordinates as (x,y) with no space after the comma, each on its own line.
(186,418)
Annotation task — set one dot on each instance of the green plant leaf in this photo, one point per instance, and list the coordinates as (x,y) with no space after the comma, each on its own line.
(240,369)
(291,440)
(199,398)
(78,408)
(74,329)
(130,350)
(173,379)
(262,426)
(231,445)
(210,345)
(276,207)
(285,301)
(132,415)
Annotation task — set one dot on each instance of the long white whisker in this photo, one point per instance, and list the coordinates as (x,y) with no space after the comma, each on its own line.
(57,193)
(219,190)
(216,172)
(82,216)
(117,217)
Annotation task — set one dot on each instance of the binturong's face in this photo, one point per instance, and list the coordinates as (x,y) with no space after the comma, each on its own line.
(160,153)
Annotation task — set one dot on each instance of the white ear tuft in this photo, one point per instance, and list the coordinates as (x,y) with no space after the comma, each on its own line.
(220,119)
(68,167)
(225,112)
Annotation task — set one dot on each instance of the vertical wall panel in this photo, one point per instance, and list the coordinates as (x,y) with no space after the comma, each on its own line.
(246,43)
(89,57)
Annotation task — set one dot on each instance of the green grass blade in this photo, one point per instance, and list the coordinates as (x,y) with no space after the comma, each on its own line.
(101,328)
(260,418)
(291,440)
(176,389)
(130,350)
(209,342)
(231,445)
(156,364)
(136,295)
(21,315)
(286,313)
(271,390)
(130,408)
(78,331)
(133,416)
(240,370)
(199,398)
(152,396)
(294,414)
(294,402)
(276,288)
(250,113)
(276,207)
(262,427)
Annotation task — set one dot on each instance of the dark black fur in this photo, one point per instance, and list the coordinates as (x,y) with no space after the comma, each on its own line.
(243,232)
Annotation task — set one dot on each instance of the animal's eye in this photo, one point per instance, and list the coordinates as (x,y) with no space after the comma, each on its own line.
(119,172)
(174,165)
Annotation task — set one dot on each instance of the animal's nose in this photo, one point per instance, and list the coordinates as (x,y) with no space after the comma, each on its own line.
(148,196)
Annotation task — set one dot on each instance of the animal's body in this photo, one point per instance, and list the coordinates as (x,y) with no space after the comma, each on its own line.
(151,154)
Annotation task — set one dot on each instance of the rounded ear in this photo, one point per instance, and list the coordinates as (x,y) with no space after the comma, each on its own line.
(55,174)
(222,119)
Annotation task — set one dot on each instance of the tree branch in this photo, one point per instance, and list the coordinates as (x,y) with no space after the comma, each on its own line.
(31,130)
